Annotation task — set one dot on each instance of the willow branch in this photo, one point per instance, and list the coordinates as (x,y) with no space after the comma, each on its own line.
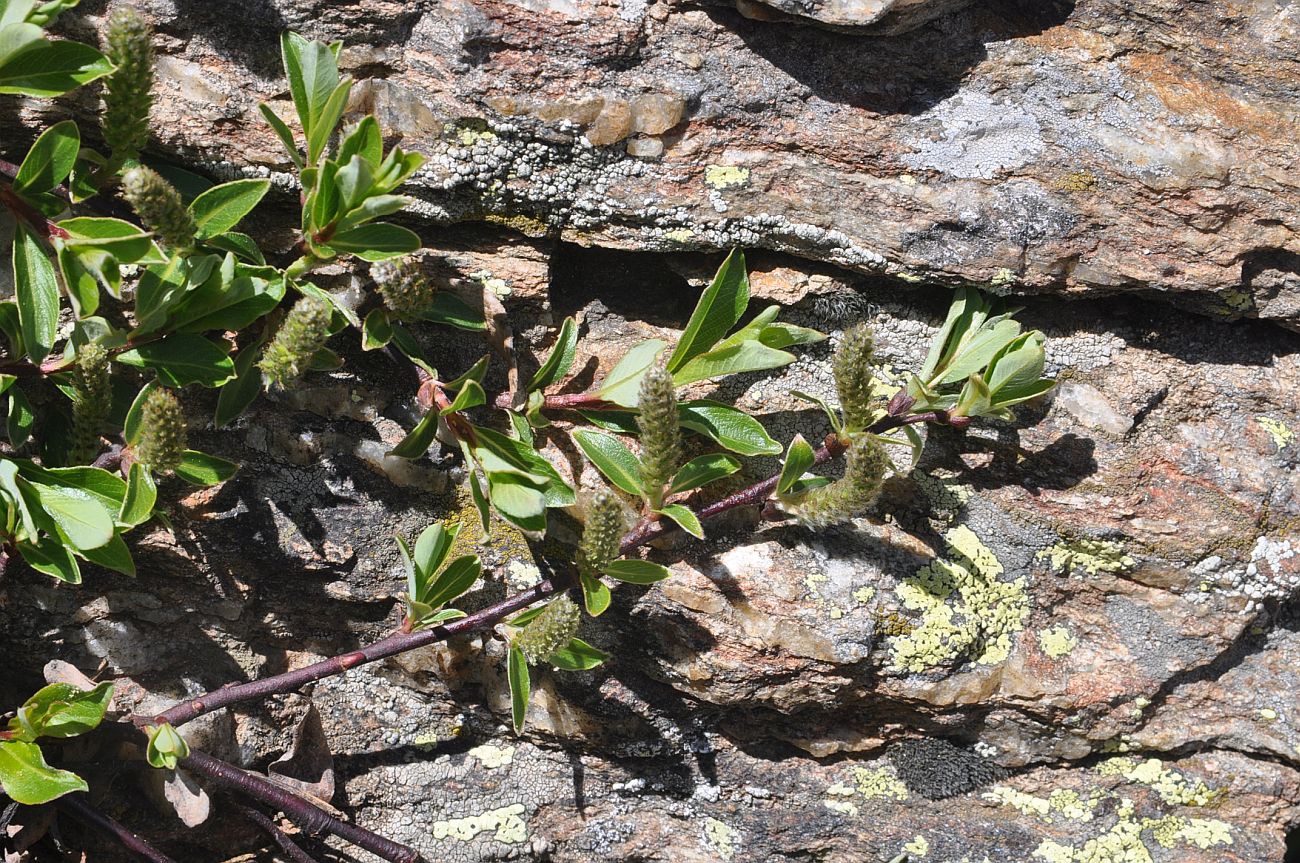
(287,845)
(75,805)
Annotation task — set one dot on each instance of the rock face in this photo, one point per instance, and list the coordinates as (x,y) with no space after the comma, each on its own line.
(1097,605)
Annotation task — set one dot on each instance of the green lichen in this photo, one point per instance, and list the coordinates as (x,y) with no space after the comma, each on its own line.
(722,838)
(506,821)
(879,784)
(725,176)
(1282,435)
(980,621)
(492,757)
(918,847)
(1090,555)
(1057,641)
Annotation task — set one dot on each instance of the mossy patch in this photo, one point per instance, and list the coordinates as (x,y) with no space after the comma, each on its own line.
(979,622)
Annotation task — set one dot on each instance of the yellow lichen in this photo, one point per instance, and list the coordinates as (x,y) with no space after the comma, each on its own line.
(725,176)
(980,621)
(1091,555)
(722,837)
(1281,434)
(493,757)
(506,821)
(1057,641)
(918,847)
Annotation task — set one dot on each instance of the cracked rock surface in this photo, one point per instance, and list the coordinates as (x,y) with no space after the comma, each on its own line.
(1097,604)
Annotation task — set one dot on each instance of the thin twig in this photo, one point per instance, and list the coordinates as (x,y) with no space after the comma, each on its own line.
(287,845)
(76,805)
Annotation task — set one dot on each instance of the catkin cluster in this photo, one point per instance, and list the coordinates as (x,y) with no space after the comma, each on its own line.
(864,473)
(303,333)
(403,286)
(549,631)
(162,431)
(159,206)
(600,534)
(91,402)
(661,433)
(128,45)
(854,381)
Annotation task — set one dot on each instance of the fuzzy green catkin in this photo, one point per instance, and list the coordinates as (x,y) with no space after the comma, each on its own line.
(549,631)
(304,331)
(661,433)
(162,425)
(403,286)
(129,47)
(159,206)
(849,496)
(854,379)
(91,401)
(600,534)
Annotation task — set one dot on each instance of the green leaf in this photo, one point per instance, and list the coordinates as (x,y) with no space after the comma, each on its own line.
(733,429)
(596,595)
(749,356)
(239,393)
(832,415)
(457,578)
(419,439)
(282,132)
(622,384)
(61,710)
(166,747)
(376,241)
(799,458)
(49,162)
(450,310)
(327,119)
(718,310)
(577,655)
(615,461)
(27,779)
(517,502)
(703,470)
(44,68)
(112,555)
(497,452)
(222,207)
(20,417)
(37,291)
(83,519)
(470,395)
(51,557)
(313,73)
(560,360)
(181,359)
(685,517)
(432,547)
(517,675)
(635,571)
(123,240)
(200,468)
(376,330)
(141,495)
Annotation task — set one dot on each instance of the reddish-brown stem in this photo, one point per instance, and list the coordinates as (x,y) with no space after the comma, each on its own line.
(565,402)
(310,818)
(29,214)
(287,845)
(76,806)
(391,646)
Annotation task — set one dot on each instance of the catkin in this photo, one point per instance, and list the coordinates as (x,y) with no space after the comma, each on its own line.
(549,631)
